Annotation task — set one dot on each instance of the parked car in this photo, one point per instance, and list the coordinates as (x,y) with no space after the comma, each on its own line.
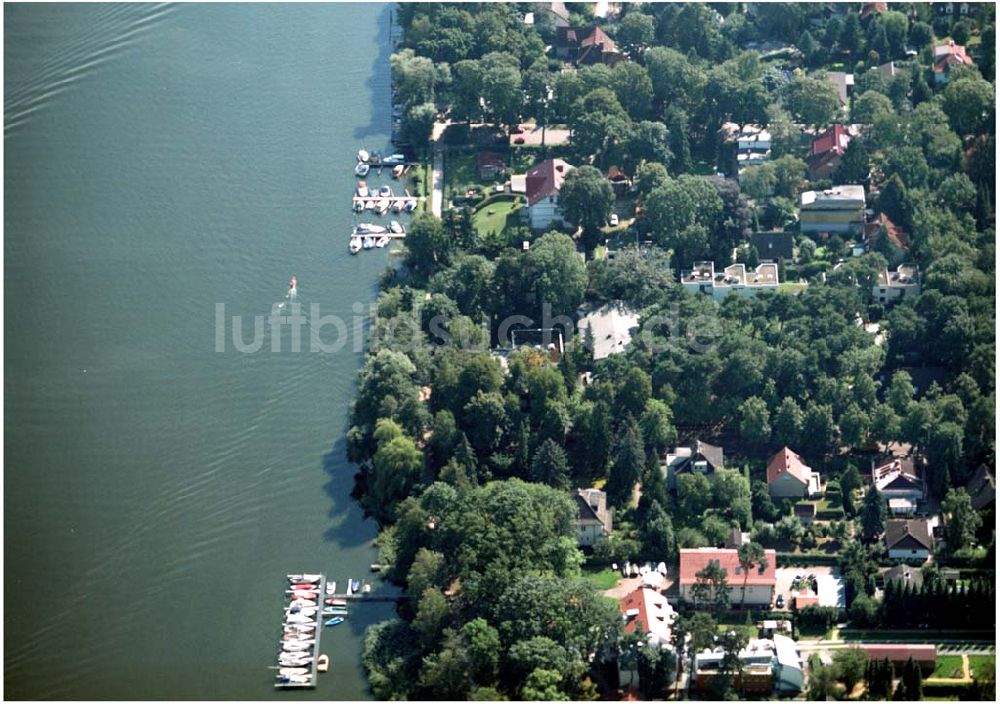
(780,601)
(613,220)
(519,140)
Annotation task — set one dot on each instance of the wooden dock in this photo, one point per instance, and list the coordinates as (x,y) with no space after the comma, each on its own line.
(311,684)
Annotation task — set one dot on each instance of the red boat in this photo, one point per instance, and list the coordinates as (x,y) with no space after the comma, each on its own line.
(309,596)
(336,602)
(303,585)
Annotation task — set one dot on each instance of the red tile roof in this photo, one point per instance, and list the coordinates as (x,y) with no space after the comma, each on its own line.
(950,53)
(897,235)
(900,653)
(545,179)
(787,462)
(694,560)
(489,158)
(833,139)
(870,7)
(643,600)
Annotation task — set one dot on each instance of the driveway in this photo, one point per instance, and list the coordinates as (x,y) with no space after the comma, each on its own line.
(437,181)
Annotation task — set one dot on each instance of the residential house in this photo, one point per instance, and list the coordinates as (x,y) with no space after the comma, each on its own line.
(946,56)
(767,666)
(559,13)
(773,246)
(489,165)
(733,279)
(699,458)
(894,286)
(840,209)
(844,83)
(620,182)
(899,482)
(826,152)
(908,539)
(982,488)
(736,537)
(872,8)
(898,653)
(947,9)
(753,146)
(888,69)
(788,476)
(612,326)
(586,46)
(645,610)
(904,575)
(760,582)
(594,518)
(892,241)
(542,184)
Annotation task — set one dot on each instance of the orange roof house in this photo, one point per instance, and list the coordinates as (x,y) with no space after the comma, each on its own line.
(788,476)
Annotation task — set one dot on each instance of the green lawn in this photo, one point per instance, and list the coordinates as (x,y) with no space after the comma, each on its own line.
(493,216)
(982,667)
(602,579)
(948,666)
(791,287)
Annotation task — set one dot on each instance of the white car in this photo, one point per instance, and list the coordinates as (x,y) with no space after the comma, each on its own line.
(613,220)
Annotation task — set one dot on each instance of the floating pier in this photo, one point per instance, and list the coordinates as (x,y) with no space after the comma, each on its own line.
(318,623)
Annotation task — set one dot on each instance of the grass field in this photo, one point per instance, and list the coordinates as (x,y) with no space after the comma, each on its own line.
(982,667)
(493,217)
(602,579)
(948,666)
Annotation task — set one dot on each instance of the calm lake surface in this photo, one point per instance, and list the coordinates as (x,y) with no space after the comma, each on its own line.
(160,160)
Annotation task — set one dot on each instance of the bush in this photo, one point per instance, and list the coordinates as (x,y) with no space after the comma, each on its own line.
(817,617)
(830,514)
(788,559)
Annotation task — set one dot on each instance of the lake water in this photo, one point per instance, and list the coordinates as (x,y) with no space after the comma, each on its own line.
(161,160)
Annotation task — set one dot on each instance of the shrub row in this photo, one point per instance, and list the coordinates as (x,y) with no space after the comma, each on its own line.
(791,559)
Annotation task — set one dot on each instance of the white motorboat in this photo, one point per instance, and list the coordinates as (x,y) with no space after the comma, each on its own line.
(369,204)
(395,228)
(397,206)
(385,191)
(362,169)
(366,589)
(367,228)
(302,611)
(369,242)
(303,603)
(297,578)
(355,245)
(398,170)
(394,159)
(382,241)
(331,588)
(410,205)
(298,645)
(296,679)
(299,618)
(362,189)
(362,155)
(384,205)
(359,206)
(288,671)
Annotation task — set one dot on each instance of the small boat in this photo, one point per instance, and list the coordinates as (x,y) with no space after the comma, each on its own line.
(367,228)
(397,171)
(303,595)
(355,245)
(311,578)
(394,159)
(322,663)
(362,189)
(336,602)
(298,662)
(374,157)
(359,206)
(294,679)
(369,242)
(335,611)
(288,671)
(397,206)
(361,169)
(297,646)
(362,155)
(355,585)
(382,241)
(293,286)
(303,603)
(384,205)
(396,229)
(299,618)
(385,191)
(335,621)
(410,205)
(302,585)
(367,589)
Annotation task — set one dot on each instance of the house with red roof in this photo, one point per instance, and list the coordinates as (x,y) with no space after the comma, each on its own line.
(586,46)
(760,581)
(893,242)
(645,610)
(541,188)
(788,476)
(946,56)
(870,8)
(826,152)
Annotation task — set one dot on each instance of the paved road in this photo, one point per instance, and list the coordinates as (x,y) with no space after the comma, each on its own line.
(437,181)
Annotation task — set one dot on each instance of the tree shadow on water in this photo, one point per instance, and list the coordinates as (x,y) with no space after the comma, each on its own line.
(350,526)
(379,85)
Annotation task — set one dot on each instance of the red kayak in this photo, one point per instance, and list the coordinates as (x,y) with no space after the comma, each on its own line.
(336,602)
(303,585)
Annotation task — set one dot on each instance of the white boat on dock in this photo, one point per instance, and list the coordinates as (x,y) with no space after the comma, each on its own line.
(362,169)
(382,241)
(355,245)
(362,156)
(384,205)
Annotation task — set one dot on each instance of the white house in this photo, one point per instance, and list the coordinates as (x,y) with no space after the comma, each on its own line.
(541,185)
(908,539)
(734,279)
(698,458)
(788,476)
(760,582)
(646,610)
(839,209)
(612,326)
(893,286)
(594,519)
(897,482)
